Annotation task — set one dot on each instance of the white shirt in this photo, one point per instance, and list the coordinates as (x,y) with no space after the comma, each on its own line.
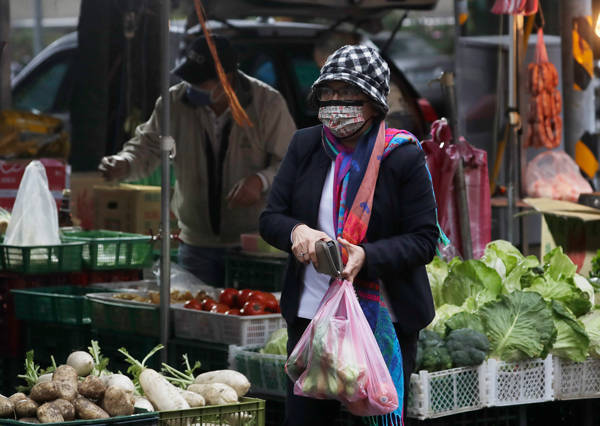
(315,284)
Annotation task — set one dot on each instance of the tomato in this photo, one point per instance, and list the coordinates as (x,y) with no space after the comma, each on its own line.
(253,308)
(193,304)
(266,299)
(220,308)
(228,297)
(233,312)
(243,297)
(208,304)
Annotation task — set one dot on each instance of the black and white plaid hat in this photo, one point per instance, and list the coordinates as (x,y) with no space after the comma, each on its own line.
(362,66)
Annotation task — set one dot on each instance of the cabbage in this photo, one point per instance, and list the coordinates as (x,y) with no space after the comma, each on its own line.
(591,323)
(442,314)
(572,341)
(519,326)
(464,320)
(471,278)
(277,343)
(437,271)
(502,256)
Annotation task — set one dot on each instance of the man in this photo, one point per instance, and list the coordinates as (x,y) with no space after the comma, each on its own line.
(223,170)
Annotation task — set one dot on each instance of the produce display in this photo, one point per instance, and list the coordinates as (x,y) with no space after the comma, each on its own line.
(153,297)
(525,308)
(234,302)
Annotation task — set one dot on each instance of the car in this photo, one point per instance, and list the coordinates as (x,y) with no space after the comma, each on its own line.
(281,54)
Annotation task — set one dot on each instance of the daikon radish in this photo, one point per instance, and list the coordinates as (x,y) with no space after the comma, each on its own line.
(232,378)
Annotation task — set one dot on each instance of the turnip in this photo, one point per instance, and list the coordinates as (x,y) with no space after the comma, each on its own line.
(162,394)
(82,362)
(232,378)
(143,403)
(44,378)
(120,381)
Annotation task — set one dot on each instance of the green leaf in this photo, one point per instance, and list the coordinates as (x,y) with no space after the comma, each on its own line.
(591,323)
(519,325)
(572,341)
(437,271)
(464,320)
(277,343)
(513,279)
(471,278)
(564,291)
(558,266)
(442,314)
(502,256)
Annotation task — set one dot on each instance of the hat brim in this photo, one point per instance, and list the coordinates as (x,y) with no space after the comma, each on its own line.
(357,80)
(192,73)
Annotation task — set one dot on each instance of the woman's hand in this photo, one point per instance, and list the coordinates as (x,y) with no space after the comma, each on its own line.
(356,260)
(303,243)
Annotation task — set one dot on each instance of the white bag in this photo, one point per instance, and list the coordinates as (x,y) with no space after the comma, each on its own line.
(34,220)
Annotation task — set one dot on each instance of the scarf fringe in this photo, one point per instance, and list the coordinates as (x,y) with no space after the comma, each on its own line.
(391,419)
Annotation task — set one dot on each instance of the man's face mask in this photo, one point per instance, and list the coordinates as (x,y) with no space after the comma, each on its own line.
(343,118)
(202,97)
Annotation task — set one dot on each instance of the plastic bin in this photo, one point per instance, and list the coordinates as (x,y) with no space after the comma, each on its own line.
(229,329)
(446,392)
(212,356)
(142,418)
(57,340)
(63,304)
(108,313)
(42,259)
(264,371)
(576,380)
(249,411)
(255,272)
(113,249)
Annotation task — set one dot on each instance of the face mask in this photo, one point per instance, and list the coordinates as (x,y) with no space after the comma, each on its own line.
(202,97)
(343,118)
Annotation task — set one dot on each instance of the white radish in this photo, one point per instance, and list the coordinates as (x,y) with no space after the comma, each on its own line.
(162,394)
(119,380)
(143,403)
(82,362)
(44,378)
(215,393)
(232,378)
(193,398)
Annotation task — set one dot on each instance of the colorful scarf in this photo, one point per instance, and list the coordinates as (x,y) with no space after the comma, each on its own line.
(355,177)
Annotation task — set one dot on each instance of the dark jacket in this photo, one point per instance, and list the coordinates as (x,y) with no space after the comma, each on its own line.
(402,232)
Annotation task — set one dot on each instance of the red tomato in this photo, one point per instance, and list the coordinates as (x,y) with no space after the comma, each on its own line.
(208,304)
(233,312)
(243,297)
(228,297)
(193,304)
(253,308)
(266,299)
(220,308)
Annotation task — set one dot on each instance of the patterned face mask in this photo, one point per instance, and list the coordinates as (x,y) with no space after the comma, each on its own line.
(343,118)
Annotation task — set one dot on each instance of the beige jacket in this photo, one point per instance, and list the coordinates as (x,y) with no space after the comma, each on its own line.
(256,149)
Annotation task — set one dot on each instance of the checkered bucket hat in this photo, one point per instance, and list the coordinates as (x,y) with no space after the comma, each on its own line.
(362,66)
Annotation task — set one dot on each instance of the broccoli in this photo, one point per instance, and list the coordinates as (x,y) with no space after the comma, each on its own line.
(429,338)
(436,358)
(467,347)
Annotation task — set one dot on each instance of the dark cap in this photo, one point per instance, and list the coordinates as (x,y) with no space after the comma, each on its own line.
(198,65)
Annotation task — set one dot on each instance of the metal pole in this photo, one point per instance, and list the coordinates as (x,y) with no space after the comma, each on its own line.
(166,148)
(37,26)
(5,95)
(578,106)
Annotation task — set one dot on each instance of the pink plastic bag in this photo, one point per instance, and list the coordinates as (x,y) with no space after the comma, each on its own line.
(553,174)
(337,357)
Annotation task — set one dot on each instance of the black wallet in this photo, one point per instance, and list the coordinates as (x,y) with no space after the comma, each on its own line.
(329,258)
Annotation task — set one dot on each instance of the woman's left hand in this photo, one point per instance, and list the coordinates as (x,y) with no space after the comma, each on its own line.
(356,260)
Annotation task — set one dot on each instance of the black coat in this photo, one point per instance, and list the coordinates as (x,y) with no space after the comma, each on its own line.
(402,233)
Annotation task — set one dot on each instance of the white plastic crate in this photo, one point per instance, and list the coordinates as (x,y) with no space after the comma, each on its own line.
(576,380)
(515,383)
(265,371)
(446,392)
(229,329)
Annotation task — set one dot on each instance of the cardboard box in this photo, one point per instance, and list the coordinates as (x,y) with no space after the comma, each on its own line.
(82,197)
(128,208)
(573,226)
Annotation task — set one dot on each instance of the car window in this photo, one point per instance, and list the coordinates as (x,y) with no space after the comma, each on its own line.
(306,72)
(40,91)
(262,67)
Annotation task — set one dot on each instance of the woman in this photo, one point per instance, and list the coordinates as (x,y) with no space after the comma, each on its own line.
(353,180)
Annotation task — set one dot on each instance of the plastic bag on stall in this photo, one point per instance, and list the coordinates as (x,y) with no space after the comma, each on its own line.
(555,175)
(338,358)
(34,219)
(182,281)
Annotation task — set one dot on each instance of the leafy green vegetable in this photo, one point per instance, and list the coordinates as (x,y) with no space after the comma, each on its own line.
(277,343)
(464,320)
(32,373)
(519,325)
(432,354)
(467,347)
(502,256)
(181,379)
(471,278)
(136,367)
(437,271)
(572,341)
(442,314)
(595,271)
(100,361)
(591,323)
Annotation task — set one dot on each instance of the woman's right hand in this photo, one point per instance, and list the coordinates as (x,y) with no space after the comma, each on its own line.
(303,243)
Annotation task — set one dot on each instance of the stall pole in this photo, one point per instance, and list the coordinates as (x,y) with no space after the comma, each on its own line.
(577,72)
(166,146)
(37,26)
(5,98)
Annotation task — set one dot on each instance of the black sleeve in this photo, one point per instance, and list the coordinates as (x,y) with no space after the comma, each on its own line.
(276,223)
(407,179)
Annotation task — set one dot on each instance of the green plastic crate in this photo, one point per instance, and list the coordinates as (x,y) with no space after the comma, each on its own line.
(141,418)
(66,257)
(63,304)
(265,372)
(212,356)
(258,273)
(137,345)
(56,340)
(247,412)
(113,249)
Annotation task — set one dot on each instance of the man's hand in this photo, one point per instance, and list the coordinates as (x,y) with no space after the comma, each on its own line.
(245,193)
(356,260)
(114,167)
(303,243)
